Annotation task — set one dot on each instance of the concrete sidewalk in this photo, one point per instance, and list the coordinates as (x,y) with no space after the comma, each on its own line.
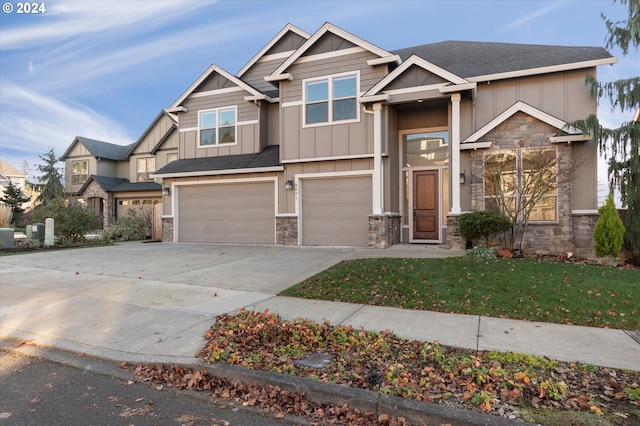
(153,302)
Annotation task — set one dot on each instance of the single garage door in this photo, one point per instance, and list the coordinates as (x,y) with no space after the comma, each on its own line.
(335,211)
(227,213)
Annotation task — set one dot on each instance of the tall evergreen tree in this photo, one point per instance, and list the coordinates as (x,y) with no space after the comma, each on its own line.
(50,185)
(14,198)
(621,146)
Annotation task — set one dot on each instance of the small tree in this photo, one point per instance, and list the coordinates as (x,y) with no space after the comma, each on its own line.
(521,181)
(50,186)
(609,230)
(482,225)
(14,198)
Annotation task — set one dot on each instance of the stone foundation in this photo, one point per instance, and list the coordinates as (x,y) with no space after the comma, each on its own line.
(287,230)
(453,238)
(583,226)
(167,229)
(384,230)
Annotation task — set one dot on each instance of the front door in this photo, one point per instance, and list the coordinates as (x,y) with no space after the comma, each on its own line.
(426,222)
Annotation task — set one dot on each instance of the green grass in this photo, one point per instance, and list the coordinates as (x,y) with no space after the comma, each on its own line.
(537,290)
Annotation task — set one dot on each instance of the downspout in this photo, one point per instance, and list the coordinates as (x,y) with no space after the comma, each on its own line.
(377,184)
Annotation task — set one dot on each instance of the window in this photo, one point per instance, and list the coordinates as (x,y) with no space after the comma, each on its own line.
(522,182)
(426,149)
(79,172)
(146,166)
(331,99)
(217,126)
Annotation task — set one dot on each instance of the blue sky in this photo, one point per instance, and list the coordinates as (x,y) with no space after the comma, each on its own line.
(105,69)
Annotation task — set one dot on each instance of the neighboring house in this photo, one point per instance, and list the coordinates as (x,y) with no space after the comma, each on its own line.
(9,174)
(327,139)
(112,179)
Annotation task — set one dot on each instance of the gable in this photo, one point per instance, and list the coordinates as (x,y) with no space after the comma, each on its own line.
(415,77)
(329,42)
(214,82)
(290,42)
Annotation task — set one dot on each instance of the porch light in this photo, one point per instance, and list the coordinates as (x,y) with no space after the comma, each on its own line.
(166,191)
(462,177)
(289,185)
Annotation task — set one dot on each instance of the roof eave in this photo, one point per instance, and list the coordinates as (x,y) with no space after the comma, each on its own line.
(218,172)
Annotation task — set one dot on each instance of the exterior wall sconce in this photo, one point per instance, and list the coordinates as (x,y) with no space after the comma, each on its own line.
(166,191)
(462,177)
(289,185)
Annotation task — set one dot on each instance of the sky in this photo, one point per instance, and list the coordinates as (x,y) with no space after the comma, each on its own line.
(105,69)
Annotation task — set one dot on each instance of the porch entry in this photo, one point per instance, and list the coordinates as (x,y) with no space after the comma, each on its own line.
(426,222)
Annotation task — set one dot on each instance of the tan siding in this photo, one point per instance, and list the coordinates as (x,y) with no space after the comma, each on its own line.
(255,75)
(154,135)
(106,168)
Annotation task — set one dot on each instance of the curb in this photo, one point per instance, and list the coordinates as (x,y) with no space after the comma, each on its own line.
(316,392)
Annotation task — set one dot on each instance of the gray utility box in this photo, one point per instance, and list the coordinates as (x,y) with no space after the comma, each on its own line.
(6,237)
(37,233)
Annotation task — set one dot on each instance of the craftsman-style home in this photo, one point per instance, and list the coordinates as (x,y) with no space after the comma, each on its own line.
(327,139)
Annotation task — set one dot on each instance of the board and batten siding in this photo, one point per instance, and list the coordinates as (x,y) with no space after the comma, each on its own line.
(349,139)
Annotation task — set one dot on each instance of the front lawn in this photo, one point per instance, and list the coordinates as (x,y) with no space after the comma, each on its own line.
(536,290)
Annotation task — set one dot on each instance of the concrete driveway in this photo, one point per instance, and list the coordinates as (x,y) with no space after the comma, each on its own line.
(153,299)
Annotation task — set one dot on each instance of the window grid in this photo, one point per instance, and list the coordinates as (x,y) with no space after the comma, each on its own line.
(217,126)
(331,99)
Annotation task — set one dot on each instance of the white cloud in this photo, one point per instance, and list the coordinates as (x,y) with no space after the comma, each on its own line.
(525,19)
(32,123)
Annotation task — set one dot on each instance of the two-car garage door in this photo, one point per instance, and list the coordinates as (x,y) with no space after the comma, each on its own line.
(242,212)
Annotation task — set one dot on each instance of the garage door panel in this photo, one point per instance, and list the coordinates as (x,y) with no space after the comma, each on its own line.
(335,211)
(227,213)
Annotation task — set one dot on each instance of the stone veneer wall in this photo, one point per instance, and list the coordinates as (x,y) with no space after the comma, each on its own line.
(384,230)
(287,230)
(167,229)
(453,238)
(583,226)
(93,190)
(524,131)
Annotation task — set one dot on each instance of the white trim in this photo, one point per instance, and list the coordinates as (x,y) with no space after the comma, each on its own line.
(175,196)
(188,129)
(454,161)
(217,144)
(330,100)
(475,145)
(385,60)
(292,104)
(329,55)
(569,138)
(337,157)
(279,77)
(415,89)
(526,108)
(585,212)
(458,87)
(378,169)
(417,61)
(247,123)
(328,27)
(215,92)
(261,54)
(273,57)
(374,98)
(543,70)
(220,172)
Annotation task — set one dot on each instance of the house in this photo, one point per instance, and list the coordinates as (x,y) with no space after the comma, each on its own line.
(11,175)
(113,179)
(326,139)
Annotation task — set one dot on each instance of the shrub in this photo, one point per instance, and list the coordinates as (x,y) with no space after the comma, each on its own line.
(130,227)
(482,224)
(609,230)
(482,253)
(71,221)
(6,213)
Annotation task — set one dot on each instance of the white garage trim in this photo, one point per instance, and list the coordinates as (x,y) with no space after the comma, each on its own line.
(175,196)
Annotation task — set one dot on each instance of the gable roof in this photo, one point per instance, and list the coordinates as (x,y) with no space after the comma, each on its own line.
(281,34)
(528,109)
(100,149)
(485,61)
(9,171)
(415,60)
(278,74)
(255,94)
(162,113)
(269,158)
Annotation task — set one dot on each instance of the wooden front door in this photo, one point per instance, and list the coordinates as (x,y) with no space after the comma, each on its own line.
(426,221)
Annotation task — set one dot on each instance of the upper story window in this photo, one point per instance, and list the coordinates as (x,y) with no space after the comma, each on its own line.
(146,166)
(331,99)
(79,172)
(217,126)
